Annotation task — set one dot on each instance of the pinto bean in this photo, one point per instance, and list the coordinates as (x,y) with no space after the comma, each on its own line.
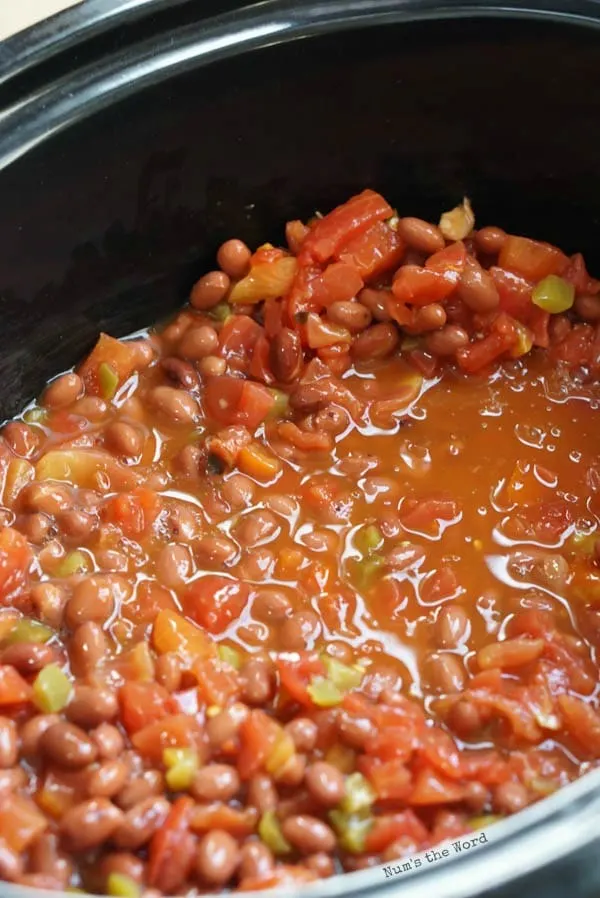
(377,302)
(199,342)
(355,731)
(421,235)
(216,782)
(28,657)
(255,860)
(508,798)
(447,341)
(21,438)
(325,783)
(62,391)
(49,600)
(217,858)
(352,315)
(233,257)
(453,626)
(67,746)
(168,671)
(212,366)
(304,732)
(108,741)
(38,529)
(46,858)
(477,796)
(91,706)
(47,497)
(444,673)
(8,743)
(299,631)
(90,823)
(225,726)
(376,342)
(87,647)
(477,289)
(256,528)
(107,779)
(257,681)
(140,823)
(210,290)
(177,406)
(238,491)
(76,525)
(124,863)
(464,719)
(124,439)
(150,783)
(588,307)
(93,601)
(262,794)
(91,407)
(321,864)
(32,731)
(332,419)
(271,605)
(308,834)
(180,373)
(286,356)
(427,318)
(215,550)
(490,240)
(173,565)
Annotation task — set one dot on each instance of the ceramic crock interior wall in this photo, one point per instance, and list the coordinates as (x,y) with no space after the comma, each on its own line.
(105,225)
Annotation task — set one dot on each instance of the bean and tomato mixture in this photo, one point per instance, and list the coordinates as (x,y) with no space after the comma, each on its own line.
(308,579)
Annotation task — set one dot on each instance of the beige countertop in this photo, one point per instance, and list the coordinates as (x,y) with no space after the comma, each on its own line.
(18,14)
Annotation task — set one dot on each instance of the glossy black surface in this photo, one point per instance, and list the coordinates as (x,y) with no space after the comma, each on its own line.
(131,151)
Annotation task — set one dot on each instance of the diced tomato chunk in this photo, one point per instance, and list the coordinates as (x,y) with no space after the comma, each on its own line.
(214,601)
(417,286)
(340,282)
(21,822)
(431,788)
(258,736)
(449,261)
(582,721)
(391,780)
(217,683)
(173,633)
(133,512)
(233,400)
(391,827)
(489,349)
(238,337)
(172,849)
(14,690)
(238,822)
(531,259)
(375,251)
(577,274)
(330,233)
(15,556)
(296,672)
(142,704)
(121,357)
(173,731)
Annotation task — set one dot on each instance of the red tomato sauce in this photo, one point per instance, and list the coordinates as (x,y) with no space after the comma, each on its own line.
(308,579)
